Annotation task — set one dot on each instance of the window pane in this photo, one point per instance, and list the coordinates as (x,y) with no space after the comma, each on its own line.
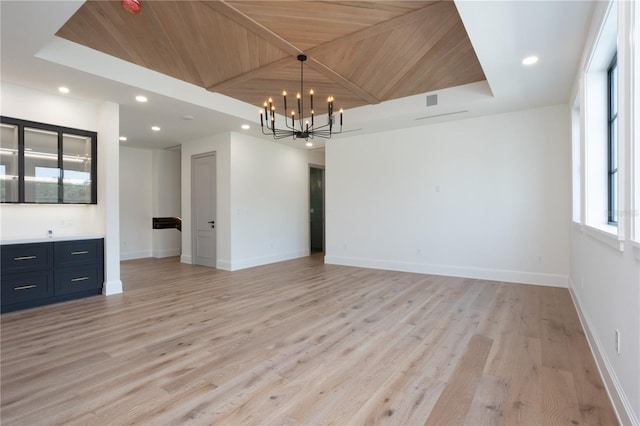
(41,172)
(613,217)
(614,90)
(76,165)
(613,146)
(8,163)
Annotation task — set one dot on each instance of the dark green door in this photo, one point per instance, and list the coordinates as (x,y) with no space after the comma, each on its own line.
(316,206)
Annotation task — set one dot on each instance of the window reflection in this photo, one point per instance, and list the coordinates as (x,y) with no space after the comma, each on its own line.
(9,163)
(76,164)
(41,169)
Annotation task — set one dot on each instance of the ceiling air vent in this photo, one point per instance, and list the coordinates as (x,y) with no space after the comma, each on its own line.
(432,100)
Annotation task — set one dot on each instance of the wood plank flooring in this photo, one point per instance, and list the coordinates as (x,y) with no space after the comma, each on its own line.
(300,342)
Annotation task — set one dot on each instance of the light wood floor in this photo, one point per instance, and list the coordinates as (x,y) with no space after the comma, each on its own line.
(300,342)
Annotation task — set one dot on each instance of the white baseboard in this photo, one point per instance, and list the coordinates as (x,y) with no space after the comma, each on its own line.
(112,287)
(137,254)
(520,277)
(264,260)
(621,404)
(166,253)
(225,265)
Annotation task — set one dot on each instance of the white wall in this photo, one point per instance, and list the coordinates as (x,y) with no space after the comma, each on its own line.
(486,197)
(605,284)
(262,199)
(26,221)
(605,266)
(269,202)
(165,189)
(135,203)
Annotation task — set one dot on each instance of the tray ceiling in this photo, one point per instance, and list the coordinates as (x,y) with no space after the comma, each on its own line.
(360,52)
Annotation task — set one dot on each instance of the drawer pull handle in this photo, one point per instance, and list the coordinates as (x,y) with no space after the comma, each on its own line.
(25,258)
(75,280)
(25,287)
(75,253)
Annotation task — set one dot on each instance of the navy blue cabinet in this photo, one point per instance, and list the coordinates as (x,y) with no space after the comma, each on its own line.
(37,274)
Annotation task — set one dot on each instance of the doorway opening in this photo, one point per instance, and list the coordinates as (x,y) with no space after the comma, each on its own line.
(316,209)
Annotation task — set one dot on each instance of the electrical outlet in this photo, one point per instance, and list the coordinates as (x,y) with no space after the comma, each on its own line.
(618,342)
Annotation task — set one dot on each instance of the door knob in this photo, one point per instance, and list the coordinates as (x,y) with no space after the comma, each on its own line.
(212,222)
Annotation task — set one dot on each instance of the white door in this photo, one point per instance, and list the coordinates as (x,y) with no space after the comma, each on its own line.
(203,206)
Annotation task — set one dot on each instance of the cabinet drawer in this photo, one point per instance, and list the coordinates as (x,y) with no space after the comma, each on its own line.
(71,280)
(26,286)
(78,252)
(22,257)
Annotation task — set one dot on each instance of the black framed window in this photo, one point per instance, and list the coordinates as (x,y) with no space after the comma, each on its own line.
(46,164)
(612,148)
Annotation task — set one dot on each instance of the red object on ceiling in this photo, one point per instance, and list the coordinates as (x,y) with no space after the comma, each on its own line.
(132,6)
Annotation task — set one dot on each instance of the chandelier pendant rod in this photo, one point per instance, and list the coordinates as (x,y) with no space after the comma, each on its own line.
(301,97)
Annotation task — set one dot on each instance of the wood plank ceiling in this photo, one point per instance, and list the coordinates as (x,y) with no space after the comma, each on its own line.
(360,52)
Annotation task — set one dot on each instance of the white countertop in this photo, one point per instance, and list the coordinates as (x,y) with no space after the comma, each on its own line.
(28,240)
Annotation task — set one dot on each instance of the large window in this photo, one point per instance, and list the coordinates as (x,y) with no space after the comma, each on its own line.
(599,108)
(612,175)
(45,164)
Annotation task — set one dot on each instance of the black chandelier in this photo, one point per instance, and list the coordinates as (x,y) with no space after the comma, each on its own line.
(304,129)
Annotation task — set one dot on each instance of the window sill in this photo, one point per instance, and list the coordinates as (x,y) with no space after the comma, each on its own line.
(606,234)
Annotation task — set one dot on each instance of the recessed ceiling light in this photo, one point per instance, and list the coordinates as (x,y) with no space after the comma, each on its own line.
(155,128)
(530,60)
(188,117)
(309,144)
(141,98)
(63,89)
(245,127)
(123,138)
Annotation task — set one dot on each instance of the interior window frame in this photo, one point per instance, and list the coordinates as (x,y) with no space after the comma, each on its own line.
(60,131)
